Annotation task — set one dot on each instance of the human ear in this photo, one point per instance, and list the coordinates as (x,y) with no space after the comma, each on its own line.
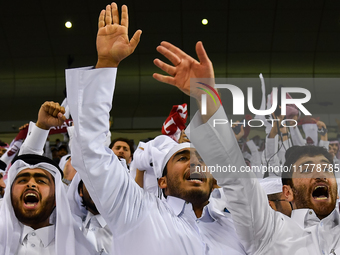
(81,194)
(162,182)
(288,193)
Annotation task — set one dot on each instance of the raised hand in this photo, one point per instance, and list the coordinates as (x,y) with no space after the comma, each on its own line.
(113,44)
(51,114)
(184,67)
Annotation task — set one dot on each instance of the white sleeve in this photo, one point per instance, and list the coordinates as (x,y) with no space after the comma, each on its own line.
(48,152)
(117,196)
(324,144)
(296,136)
(218,146)
(255,155)
(35,140)
(13,149)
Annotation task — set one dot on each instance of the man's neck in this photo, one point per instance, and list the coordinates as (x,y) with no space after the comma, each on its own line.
(36,226)
(198,208)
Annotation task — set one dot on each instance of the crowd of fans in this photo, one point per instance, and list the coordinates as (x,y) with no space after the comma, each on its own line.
(91,195)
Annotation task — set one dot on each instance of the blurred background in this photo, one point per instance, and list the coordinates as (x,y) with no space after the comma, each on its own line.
(280,39)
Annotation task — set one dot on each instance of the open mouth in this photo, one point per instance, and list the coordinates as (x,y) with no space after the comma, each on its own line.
(31,199)
(320,193)
(196,177)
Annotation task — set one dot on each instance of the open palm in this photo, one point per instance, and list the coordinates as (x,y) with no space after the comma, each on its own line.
(113,44)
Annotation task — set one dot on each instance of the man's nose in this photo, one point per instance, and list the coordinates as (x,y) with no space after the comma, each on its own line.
(194,162)
(320,176)
(31,183)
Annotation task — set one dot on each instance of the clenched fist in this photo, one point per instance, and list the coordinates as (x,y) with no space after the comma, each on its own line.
(51,114)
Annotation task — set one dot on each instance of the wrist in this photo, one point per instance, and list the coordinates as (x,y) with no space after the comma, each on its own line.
(67,182)
(42,126)
(106,63)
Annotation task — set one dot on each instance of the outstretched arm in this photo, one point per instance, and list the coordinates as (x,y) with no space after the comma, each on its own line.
(113,44)
(217,146)
(90,95)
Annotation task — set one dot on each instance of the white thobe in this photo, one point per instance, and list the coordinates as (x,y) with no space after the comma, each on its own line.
(139,221)
(97,232)
(39,241)
(261,229)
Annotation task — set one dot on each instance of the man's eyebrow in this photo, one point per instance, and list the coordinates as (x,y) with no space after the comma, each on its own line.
(311,162)
(41,175)
(22,175)
(180,153)
(35,175)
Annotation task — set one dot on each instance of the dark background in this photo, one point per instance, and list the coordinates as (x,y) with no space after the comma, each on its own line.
(280,38)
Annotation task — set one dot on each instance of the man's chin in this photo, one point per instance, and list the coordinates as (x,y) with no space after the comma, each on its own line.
(323,207)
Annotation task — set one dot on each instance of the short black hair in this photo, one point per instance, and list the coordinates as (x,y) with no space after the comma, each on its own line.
(61,147)
(122,139)
(275,198)
(294,153)
(80,187)
(165,172)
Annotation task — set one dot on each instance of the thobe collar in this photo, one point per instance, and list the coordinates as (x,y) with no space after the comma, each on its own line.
(211,212)
(45,234)
(306,218)
(176,204)
(214,210)
(98,218)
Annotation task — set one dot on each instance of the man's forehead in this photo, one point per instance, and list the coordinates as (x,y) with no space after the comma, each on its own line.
(318,158)
(121,143)
(189,151)
(32,171)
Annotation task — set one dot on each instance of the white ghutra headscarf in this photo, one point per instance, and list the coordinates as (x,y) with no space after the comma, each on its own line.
(68,237)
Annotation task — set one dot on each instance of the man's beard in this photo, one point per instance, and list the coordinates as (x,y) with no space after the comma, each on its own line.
(302,199)
(30,217)
(193,196)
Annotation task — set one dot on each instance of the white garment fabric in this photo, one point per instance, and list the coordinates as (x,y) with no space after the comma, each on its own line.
(324,144)
(139,221)
(148,157)
(67,110)
(78,211)
(171,152)
(296,136)
(103,237)
(98,233)
(255,154)
(133,215)
(311,130)
(260,229)
(68,237)
(63,161)
(11,152)
(271,185)
(40,241)
(217,227)
(94,227)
